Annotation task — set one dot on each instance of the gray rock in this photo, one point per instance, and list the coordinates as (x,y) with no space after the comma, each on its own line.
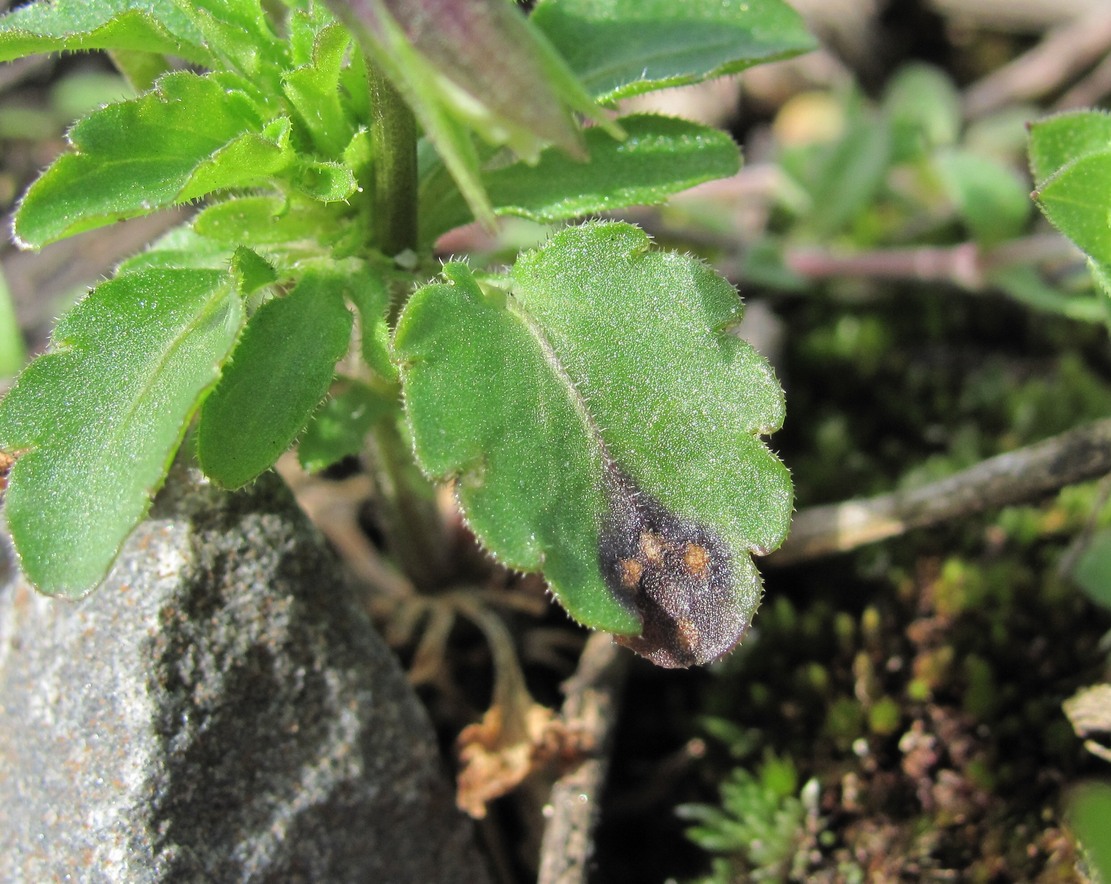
(219,710)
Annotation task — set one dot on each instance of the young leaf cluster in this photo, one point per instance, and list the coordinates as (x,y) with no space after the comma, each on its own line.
(283,125)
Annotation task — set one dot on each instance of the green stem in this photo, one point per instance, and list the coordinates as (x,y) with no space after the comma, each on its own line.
(393,138)
(411,520)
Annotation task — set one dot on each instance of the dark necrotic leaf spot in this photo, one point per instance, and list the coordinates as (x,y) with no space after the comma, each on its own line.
(677,575)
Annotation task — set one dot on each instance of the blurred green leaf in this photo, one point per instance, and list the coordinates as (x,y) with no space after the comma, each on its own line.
(85,91)
(279,372)
(1092,570)
(924,108)
(990,198)
(13,352)
(621,48)
(1089,813)
(95,422)
(848,173)
(340,426)
(606,367)
(757,824)
(1024,284)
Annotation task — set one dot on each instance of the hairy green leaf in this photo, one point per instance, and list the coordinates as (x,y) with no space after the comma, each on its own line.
(182,248)
(1075,200)
(240,34)
(924,108)
(1058,140)
(660,156)
(95,422)
(279,373)
(152,26)
(602,425)
(620,48)
(191,136)
(327,182)
(1070,157)
(313,90)
(267,220)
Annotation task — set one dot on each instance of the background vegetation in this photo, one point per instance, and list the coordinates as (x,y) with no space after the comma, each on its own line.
(897,710)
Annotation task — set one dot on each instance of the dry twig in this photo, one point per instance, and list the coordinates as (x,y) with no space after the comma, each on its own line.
(1016,477)
(591,703)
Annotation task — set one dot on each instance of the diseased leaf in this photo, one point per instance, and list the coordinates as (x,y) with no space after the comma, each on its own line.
(190,136)
(660,156)
(95,422)
(149,26)
(602,425)
(620,48)
(279,373)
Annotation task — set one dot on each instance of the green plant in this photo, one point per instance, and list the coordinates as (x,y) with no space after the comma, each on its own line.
(756,831)
(1070,159)
(599,421)
(905,188)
